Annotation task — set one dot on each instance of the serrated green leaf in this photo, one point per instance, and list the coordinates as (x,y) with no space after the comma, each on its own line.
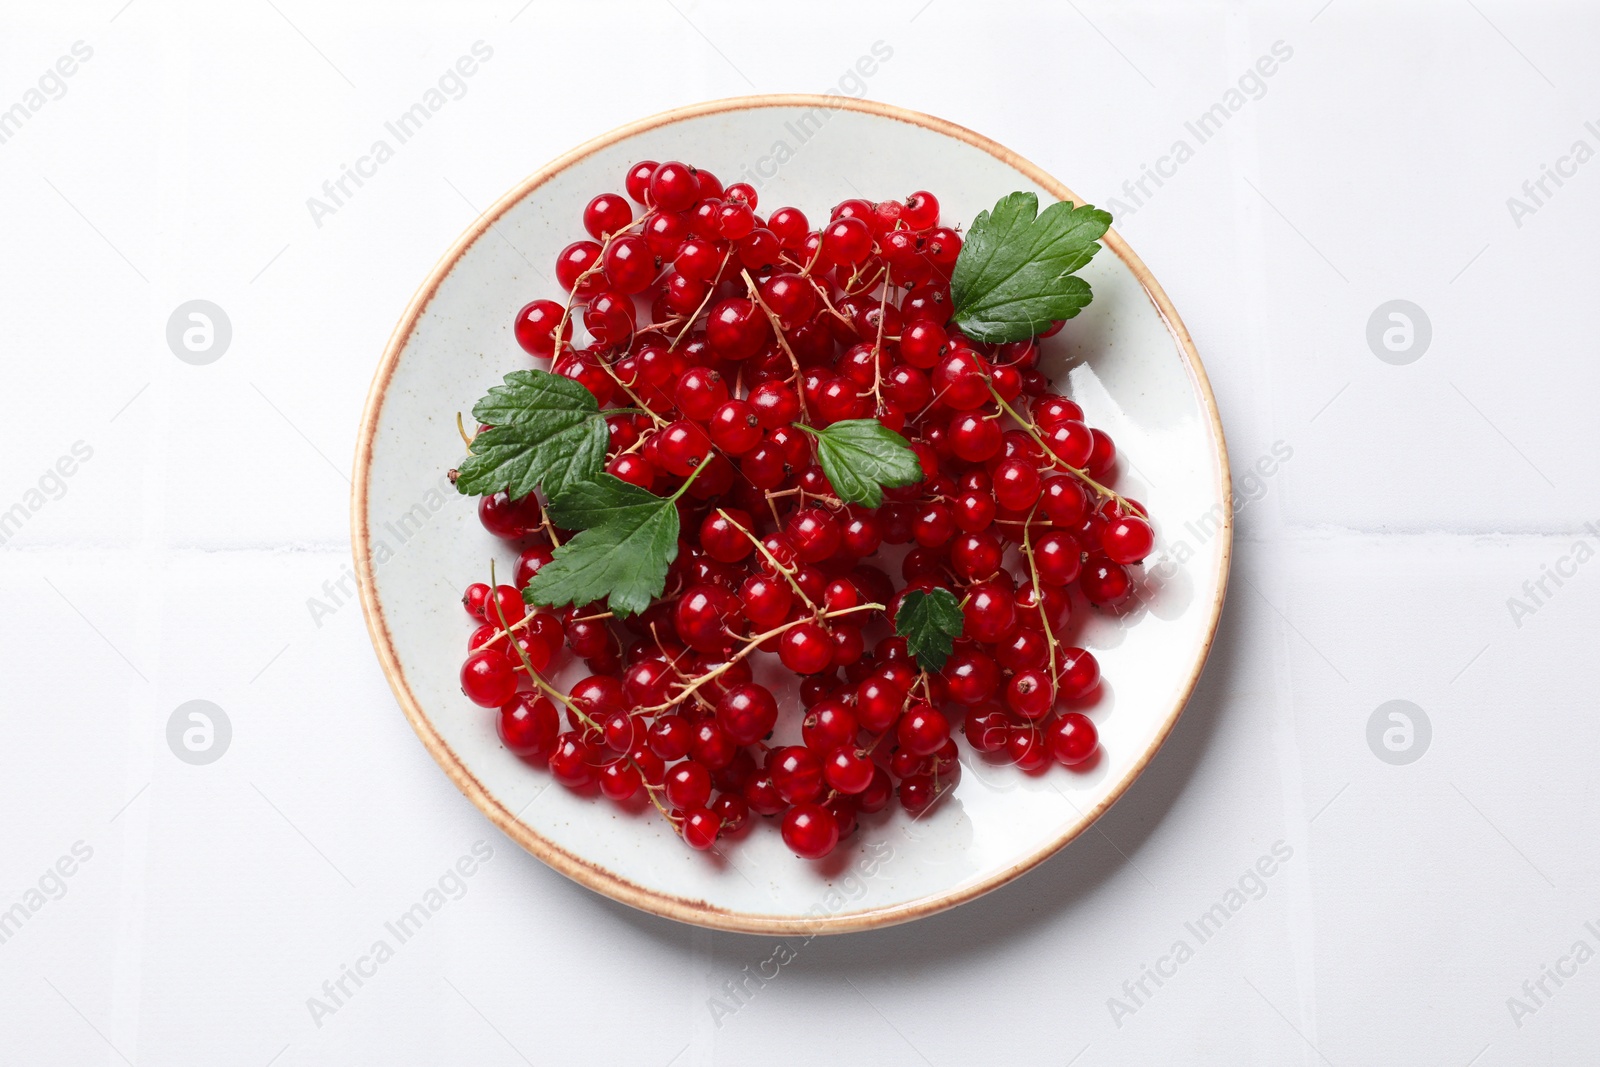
(930,622)
(544,430)
(600,501)
(628,538)
(862,456)
(1014,276)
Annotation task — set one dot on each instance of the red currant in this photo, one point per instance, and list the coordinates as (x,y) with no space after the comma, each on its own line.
(1104,582)
(535,328)
(733,811)
(810,831)
(923,730)
(1079,673)
(990,612)
(674,187)
(700,828)
(619,779)
(1127,540)
(1030,695)
(735,427)
(847,240)
(737,329)
(629,264)
(488,679)
(508,518)
(575,261)
(747,713)
(971,676)
(688,785)
(638,180)
(528,726)
(847,770)
(703,614)
(917,793)
(987,731)
(699,392)
(605,215)
(682,446)
(574,762)
(805,648)
(1072,739)
(797,774)
(921,210)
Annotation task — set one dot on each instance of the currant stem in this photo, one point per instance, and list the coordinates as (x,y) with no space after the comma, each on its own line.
(1057,461)
(672,662)
(751,644)
(650,791)
(833,502)
(877,349)
(1038,590)
(612,371)
(711,290)
(783,342)
(566,317)
(687,482)
(549,529)
(822,293)
(527,663)
(787,572)
(873,744)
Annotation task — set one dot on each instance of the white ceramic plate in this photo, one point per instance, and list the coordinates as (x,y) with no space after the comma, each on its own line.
(1126,359)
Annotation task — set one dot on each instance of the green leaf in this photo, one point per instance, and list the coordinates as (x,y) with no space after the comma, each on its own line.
(930,622)
(628,537)
(544,429)
(861,456)
(1014,276)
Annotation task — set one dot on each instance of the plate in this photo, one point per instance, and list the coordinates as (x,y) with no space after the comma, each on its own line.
(1126,359)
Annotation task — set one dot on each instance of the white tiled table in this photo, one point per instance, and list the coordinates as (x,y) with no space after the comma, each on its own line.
(179,559)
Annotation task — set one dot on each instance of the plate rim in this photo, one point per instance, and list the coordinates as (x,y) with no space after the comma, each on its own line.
(586,873)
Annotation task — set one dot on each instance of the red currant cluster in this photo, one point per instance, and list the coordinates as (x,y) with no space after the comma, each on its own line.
(721,332)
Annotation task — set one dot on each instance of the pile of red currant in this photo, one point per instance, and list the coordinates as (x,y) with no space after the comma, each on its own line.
(722,330)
